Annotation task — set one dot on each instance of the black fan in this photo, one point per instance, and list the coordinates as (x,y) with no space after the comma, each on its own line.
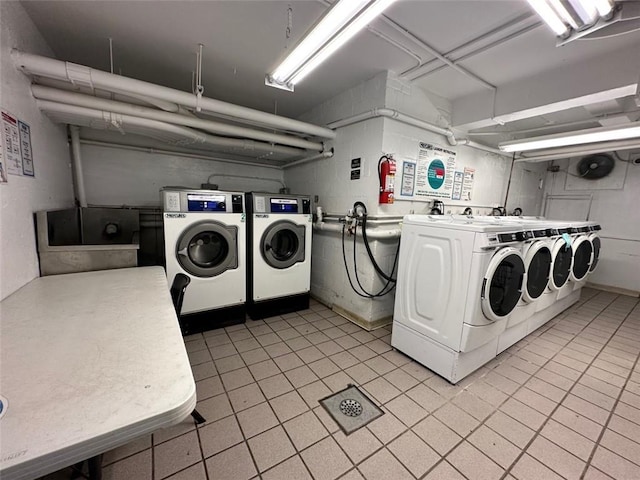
(596,166)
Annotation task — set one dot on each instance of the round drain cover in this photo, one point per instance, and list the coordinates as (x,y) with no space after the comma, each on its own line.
(350,407)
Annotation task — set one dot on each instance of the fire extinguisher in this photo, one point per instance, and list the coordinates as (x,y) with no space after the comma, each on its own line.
(387,176)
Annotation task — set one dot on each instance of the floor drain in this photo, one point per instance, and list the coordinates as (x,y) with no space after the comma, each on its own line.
(350,407)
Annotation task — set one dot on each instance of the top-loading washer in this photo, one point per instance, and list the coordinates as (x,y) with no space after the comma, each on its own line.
(205,239)
(279,253)
(458,282)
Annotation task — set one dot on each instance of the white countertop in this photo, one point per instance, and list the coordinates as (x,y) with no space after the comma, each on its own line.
(88,362)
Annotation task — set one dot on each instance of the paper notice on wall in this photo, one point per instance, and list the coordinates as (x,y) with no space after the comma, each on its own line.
(456,193)
(25,148)
(429,176)
(11,140)
(467,183)
(3,173)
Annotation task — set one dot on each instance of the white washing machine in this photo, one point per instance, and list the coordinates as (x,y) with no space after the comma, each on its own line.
(278,253)
(458,282)
(205,239)
(594,237)
(583,251)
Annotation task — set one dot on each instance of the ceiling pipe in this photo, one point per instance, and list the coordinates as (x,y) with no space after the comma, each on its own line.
(573,151)
(118,120)
(82,75)
(77,165)
(409,120)
(325,154)
(174,153)
(78,99)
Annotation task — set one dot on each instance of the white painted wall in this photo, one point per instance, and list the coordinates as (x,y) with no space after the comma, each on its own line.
(129,177)
(616,209)
(52,186)
(330,180)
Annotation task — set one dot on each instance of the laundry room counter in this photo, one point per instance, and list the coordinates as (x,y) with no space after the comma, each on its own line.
(90,361)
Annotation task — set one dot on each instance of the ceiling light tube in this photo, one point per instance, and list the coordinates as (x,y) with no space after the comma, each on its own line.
(586,10)
(549,15)
(604,7)
(339,25)
(566,13)
(592,135)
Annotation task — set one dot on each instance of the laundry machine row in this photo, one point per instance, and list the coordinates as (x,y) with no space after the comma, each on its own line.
(470,287)
(239,253)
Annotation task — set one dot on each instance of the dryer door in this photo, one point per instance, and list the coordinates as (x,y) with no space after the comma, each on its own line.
(537,262)
(502,285)
(582,258)
(595,241)
(282,244)
(562,255)
(208,248)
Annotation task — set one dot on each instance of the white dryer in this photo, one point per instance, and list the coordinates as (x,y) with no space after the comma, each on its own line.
(278,253)
(458,282)
(594,237)
(205,239)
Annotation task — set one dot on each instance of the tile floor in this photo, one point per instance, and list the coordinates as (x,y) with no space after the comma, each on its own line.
(562,403)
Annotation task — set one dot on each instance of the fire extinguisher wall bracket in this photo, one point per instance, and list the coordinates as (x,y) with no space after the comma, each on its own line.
(386,175)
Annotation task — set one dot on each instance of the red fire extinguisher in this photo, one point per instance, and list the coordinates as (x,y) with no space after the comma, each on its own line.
(387,176)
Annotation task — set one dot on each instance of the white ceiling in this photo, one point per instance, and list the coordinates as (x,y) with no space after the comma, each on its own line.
(502,42)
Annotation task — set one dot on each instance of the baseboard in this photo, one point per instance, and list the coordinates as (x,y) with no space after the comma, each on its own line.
(612,289)
(362,322)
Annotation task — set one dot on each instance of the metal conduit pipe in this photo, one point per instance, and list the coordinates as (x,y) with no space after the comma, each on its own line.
(78,99)
(199,137)
(375,234)
(324,154)
(173,153)
(77,165)
(370,221)
(82,75)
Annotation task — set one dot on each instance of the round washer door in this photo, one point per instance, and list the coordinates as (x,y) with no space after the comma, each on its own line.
(582,258)
(595,241)
(562,255)
(208,248)
(282,244)
(537,262)
(502,284)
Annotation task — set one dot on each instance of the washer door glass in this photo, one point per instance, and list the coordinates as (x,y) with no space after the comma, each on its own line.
(208,248)
(502,286)
(282,244)
(581,259)
(562,261)
(538,268)
(595,241)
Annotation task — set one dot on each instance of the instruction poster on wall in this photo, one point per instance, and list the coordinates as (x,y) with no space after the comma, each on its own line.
(430,176)
(467,183)
(3,174)
(25,148)
(11,140)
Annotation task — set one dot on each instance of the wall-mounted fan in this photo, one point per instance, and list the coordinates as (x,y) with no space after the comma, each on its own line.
(596,166)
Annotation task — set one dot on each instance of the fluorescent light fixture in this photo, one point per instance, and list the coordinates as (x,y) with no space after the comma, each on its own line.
(549,15)
(604,7)
(586,10)
(343,21)
(593,135)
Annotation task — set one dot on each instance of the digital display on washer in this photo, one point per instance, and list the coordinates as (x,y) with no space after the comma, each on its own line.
(199,202)
(284,205)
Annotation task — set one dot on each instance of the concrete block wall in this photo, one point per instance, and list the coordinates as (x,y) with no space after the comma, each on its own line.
(52,186)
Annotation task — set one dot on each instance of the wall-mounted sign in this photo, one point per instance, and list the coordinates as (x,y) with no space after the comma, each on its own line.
(355,163)
(429,176)
(355,174)
(11,140)
(25,148)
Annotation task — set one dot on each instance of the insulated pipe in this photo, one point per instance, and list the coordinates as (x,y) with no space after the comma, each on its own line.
(174,153)
(246,177)
(77,165)
(88,101)
(486,148)
(325,154)
(48,67)
(375,234)
(199,137)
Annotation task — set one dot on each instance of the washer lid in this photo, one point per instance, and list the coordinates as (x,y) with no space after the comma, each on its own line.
(282,244)
(502,284)
(208,248)
(562,260)
(582,258)
(537,262)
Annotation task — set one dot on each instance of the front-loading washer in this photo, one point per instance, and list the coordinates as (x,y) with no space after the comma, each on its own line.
(458,282)
(278,253)
(205,239)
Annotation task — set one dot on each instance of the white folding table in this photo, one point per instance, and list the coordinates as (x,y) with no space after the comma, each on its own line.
(88,362)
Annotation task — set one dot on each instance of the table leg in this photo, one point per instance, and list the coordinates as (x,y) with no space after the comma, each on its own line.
(197,417)
(95,467)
